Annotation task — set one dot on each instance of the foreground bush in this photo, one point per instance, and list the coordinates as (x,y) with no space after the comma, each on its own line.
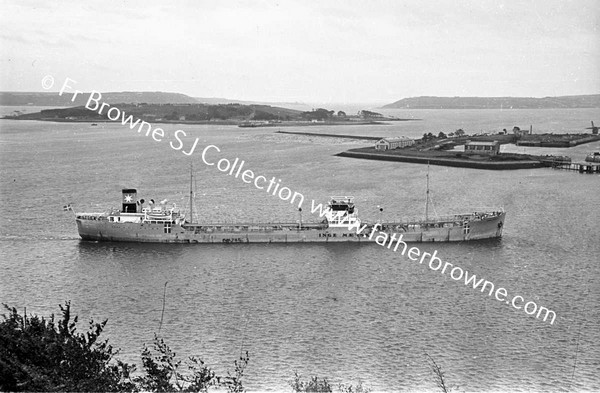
(47,355)
(322,385)
(50,355)
(162,373)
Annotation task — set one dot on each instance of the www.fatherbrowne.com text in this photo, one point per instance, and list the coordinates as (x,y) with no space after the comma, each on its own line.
(392,242)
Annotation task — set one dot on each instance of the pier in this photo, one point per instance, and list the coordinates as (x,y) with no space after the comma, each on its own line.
(581,167)
(359,137)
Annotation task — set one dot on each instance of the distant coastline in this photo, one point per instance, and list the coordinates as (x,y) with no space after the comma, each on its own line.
(427,102)
(423,102)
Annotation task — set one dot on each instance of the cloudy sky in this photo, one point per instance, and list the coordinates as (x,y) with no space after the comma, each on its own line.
(307,51)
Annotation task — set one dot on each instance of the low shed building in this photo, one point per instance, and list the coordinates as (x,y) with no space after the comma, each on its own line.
(490,148)
(393,143)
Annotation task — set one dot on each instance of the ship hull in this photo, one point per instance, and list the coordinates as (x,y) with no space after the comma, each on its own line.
(104,230)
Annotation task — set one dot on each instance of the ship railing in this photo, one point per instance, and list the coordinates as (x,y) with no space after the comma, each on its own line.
(91,216)
(252,222)
(447,218)
(487,209)
(338,198)
(253,227)
(341,201)
(154,217)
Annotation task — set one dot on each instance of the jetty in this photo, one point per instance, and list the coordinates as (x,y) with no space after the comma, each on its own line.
(359,137)
(581,167)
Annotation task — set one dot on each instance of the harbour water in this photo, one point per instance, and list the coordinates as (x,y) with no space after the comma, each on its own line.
(345,312)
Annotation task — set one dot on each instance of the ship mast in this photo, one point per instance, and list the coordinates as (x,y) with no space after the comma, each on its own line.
(191,196)
(427,196)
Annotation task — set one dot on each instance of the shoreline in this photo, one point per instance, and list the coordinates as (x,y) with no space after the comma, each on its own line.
(292,123)
(453,162)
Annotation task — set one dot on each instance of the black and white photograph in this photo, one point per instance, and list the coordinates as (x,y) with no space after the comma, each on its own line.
(298,196)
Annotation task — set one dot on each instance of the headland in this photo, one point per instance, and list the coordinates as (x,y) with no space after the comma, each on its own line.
(243,115)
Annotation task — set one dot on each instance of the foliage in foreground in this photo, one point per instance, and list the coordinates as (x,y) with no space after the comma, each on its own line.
(163,372)
(313,385)
(48,355)
(438,374)
(37,354)
(322,385)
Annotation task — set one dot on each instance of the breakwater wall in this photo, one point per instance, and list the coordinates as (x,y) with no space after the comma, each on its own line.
(525,164)
(371,138)
(557,143)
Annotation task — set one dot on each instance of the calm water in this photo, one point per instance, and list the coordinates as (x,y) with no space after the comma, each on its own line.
(347,312)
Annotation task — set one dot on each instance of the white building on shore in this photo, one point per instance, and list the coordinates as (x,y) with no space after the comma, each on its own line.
(393,143)
(481,147)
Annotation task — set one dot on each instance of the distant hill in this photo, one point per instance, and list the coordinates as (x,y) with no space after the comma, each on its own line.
(219,100)
(299,106)
(130,97)
(580,101)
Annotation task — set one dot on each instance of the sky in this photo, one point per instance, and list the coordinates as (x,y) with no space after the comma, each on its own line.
(346,51)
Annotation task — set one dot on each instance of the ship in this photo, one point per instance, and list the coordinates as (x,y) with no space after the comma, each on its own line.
(141,221)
